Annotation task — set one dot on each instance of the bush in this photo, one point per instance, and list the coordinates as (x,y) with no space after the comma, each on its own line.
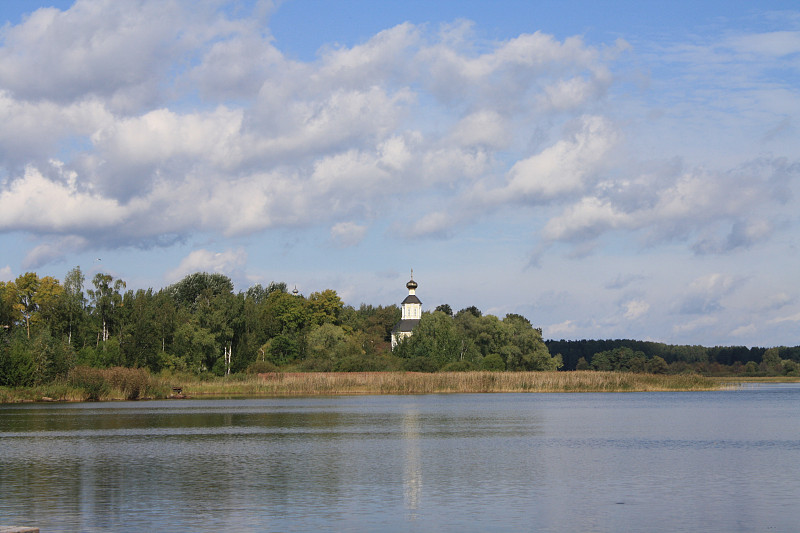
(494,362)
(261,367)
(458,366)
(17,365)
(132,382)
(91,380)
(419,364)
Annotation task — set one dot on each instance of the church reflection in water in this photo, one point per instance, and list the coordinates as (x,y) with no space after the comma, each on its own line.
(412,467)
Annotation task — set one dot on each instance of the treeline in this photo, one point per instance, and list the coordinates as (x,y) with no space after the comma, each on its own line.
(646,356)
(200,325)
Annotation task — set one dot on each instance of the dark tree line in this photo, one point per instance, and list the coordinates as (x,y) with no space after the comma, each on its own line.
(633,355)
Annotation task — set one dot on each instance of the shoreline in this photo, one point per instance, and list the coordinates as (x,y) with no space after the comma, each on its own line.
(279,384)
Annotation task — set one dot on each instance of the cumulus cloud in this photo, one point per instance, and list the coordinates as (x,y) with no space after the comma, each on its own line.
(227,262)
(562,329)
(53,249)
(704,294)
(346,234)
(103,49)
(39,204)
(635,309)
(142,123)
(272,142)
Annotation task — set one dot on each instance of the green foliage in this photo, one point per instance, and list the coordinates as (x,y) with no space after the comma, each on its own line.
(324,307)
(458,366)
(493,362)
(657,365)
(472,310)
(133,382)
(620,359)
(91,380)
(17,365)
(419,364)
(47,328)
(751,368)
(445,308)
(469,338)
(188,290)
(261,367)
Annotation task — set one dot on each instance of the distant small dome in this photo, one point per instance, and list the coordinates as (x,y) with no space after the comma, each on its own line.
(411,284)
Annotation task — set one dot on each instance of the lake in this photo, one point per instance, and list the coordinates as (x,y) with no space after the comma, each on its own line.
(685,461)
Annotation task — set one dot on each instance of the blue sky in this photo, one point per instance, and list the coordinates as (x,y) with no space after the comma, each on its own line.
(609,170)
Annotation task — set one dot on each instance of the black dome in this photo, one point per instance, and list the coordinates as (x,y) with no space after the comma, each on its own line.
(411,285)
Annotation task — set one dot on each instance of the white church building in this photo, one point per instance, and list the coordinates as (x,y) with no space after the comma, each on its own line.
(411,313)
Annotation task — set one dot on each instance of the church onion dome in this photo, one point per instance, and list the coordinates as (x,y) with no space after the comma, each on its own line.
(411,284)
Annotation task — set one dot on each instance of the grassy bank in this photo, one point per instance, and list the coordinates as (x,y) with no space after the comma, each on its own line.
(757,379)
(301,384)
(342,383)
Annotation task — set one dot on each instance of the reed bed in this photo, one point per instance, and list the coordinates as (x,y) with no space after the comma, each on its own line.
(125,384)
(335,383)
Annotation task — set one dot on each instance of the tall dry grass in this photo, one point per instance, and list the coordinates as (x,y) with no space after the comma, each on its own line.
(121,384)
(332,383)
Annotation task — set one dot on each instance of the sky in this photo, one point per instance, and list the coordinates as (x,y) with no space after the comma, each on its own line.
(609,169)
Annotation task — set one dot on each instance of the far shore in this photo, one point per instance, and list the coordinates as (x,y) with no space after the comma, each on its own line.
(373,383)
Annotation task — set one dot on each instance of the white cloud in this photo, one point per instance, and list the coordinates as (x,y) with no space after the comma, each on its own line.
(346,234)
(635,309)
(563,329)
(704,295)
(786,318)
(298,143)
(566,166)
(107,49)
(52,250)
(693,325)
(483,128)
(745,331)
(36,203)
(5,273)
(227,262)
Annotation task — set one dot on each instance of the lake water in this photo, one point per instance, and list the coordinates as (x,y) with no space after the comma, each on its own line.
(687,461)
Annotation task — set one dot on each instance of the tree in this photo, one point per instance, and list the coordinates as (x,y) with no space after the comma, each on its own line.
(325,306)
(445,308)
(35,298)
(74,302)
(326,344)
(26,286)
(657,365)
(8,297)
(141,339)
(474,311)
(187,290)
(528,351)
(106,299)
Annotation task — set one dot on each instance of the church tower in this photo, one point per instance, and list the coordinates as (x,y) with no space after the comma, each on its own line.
(411,313)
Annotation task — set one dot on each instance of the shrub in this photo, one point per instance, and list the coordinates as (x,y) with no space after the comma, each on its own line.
(458,366)
(419,364)
(91,380)
(494,362)
(132,382)
(261,367)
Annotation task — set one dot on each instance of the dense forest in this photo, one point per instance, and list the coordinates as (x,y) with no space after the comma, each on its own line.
(646,356)
(200,325)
